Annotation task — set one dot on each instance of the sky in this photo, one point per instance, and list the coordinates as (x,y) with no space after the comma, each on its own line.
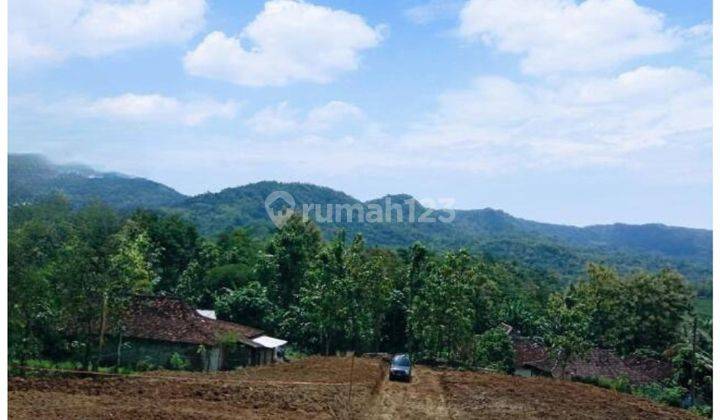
(562,111)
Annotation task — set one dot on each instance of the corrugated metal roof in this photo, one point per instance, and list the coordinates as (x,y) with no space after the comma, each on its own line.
(269,342)
(207,313)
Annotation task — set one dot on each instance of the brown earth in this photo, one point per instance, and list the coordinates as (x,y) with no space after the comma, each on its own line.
(315,387)
(318,387)
(486,395)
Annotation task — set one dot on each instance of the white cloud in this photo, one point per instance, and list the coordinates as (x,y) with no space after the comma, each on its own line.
(288,41)
(497,125)
(433,10)
(283,119)
(277,119)
(332,114)
(564,36)
(42,30)
(500,124)
(699,39)
(153,108)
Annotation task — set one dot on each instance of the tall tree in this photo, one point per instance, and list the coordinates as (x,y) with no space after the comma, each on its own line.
(193,285)
(494,350)
(442,313)
(663,302)
(238,247)
(132,270)
(248,304)
(33,245)
(566,331)
(609,306)
(321,310)
(290,253)
(367,295)
(177,242)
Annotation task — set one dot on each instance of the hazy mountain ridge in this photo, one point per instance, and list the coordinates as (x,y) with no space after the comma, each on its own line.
(559,248)
(31,177)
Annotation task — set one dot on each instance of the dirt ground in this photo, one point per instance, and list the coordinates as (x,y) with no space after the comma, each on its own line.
(318,387)
(484,395)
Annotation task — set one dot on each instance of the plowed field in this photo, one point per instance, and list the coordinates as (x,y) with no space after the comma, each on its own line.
(319,387)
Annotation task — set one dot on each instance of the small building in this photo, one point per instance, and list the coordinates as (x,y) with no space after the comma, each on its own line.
(156,327)
(532,358)
(272,343)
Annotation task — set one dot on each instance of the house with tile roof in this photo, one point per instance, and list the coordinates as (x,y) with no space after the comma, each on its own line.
(532,358)
(154,328)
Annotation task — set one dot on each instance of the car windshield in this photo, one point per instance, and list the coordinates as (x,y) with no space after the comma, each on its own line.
(401,361)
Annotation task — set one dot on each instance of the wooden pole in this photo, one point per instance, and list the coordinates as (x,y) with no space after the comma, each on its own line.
(352,365)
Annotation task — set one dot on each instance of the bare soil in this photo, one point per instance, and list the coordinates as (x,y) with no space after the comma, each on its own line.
(316,387)
(485,395)
(319,387)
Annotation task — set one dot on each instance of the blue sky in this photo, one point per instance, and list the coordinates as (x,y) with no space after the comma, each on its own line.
(552,110)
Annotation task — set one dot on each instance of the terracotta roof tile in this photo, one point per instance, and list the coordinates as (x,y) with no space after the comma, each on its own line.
(171,319)
(597,363)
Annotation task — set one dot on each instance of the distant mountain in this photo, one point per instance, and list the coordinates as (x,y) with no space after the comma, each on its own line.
(561,249)
(31,177)
(558,248)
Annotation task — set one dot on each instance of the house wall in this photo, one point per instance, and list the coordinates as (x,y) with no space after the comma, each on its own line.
(158,354)
(241,356)
(263,356)
(237,356)
(524,372)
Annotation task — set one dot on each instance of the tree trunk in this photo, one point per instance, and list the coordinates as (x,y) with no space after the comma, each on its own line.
(119,350)
(86,350)
(563,366)
(103,326)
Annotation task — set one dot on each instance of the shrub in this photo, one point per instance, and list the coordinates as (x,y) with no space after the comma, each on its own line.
(494,350)
(620,384)
(68,365)
(702,410)
(670,395)
(178,362)
(125,370)
(40,363)
(144,365)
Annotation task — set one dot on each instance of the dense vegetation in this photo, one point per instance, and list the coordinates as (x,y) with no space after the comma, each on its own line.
(71,270)
(562,250)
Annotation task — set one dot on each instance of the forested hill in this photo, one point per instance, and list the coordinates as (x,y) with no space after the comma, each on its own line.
(556,248)
(32,177)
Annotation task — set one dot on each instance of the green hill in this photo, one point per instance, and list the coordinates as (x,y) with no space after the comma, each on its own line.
(556,248)
(32,177)
(562,249)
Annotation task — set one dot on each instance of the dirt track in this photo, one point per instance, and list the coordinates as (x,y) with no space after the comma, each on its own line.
(318,387)
(460,395)
(421,398)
